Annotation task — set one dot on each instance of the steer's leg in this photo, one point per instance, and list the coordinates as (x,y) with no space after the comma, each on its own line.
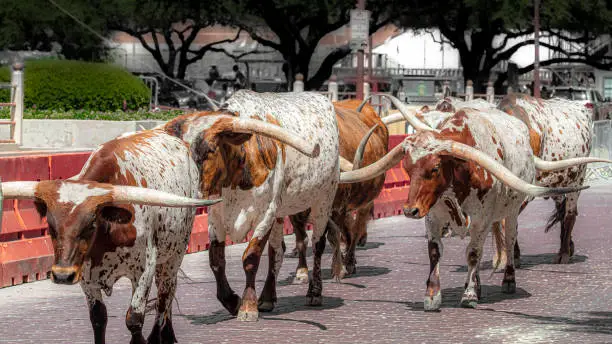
(358,231)
(250,262)
(320,221)
(216,257)
(433,296)
(509,282)
(346,225)
(569,219)
(301,243)
(97,312)
(478,234)
(141,286)
(267,299)
(165,279)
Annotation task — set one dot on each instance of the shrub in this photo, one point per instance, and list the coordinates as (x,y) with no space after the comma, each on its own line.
(95,115)
(70,85)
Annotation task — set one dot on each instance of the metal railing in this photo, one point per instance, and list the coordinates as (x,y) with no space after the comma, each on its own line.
(601,148)
(153,84)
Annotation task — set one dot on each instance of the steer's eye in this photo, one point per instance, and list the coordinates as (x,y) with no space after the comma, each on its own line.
(435,169)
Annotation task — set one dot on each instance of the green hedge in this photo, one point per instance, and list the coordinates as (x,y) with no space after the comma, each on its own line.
(95,115)
(70,85)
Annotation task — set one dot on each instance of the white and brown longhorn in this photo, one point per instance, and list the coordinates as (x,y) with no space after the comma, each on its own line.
(469,174)
(263,178)
(126,214)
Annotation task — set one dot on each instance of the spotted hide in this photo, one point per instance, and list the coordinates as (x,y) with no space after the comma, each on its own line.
(262,181)
(459,195)
(558,129)
(102,232)
(355,198)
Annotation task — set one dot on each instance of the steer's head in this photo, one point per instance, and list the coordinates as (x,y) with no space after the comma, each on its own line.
(430,175)
(233,151)
(87,219)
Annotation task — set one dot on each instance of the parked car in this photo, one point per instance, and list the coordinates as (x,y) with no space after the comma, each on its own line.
(591,98)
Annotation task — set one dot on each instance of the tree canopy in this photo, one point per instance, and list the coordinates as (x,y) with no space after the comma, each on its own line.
(295,27)
(487,32)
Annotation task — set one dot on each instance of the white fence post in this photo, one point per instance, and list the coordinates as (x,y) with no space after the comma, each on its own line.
(333,88)
(490,92)
(298,84)
(17,83)
(366,87)
(469,91)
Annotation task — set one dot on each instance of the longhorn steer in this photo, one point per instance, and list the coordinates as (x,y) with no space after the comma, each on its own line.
(468,175)
(262,181)
(354,121)
(105,224)
(558,129)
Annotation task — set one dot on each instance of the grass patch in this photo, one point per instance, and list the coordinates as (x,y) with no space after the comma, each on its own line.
(95,115)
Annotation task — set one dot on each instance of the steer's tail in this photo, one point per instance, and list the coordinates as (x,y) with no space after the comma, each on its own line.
(333,235)
(558,215)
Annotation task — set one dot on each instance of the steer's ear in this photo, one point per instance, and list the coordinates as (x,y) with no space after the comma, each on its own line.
(119,222)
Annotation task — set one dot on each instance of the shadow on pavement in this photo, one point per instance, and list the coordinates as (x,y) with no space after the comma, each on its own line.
(284,305)
(529,261)
(291,254)
(594,322)
(361,271)
(451,297)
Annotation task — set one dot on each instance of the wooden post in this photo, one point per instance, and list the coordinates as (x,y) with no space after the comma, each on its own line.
(469,91)
(333,88)
(298,84)
(17,117)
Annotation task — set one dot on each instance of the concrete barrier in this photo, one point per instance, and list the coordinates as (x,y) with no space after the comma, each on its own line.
(56,133)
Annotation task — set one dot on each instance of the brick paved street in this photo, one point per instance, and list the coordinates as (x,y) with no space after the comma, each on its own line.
(382,303)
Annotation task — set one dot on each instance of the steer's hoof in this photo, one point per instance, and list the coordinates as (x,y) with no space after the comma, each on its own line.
(138,339)
(561,258)
(265,306)
(509,287)
(363,240)
(301,276)
(251,315)
(469,300)
(315,300)
(433,304)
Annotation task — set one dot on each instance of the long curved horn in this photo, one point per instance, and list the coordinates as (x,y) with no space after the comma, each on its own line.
(363,103)
(361,149)
(254,126)
(408,115)
(138,195)
(345,165)
(19,190)
(544,165)
(466,152)
(393,118)
(373,170)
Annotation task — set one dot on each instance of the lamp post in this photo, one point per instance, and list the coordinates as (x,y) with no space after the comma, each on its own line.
(360,6)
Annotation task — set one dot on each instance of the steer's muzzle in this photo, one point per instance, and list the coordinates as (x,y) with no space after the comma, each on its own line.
(411,212)
(65,275)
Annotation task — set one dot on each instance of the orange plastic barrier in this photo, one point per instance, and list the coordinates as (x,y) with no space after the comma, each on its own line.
(26,252)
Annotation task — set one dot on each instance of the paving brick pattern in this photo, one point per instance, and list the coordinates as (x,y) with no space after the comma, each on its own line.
(382,303)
